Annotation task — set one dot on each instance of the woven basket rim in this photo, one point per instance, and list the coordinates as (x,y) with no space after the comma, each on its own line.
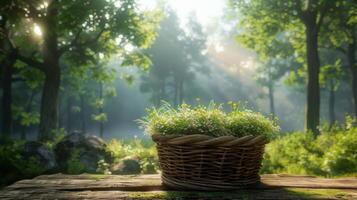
(205,140)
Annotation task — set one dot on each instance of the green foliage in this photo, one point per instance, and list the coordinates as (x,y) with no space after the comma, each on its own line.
(141,149)
(332,153)
(116,149)
(342,156)
(128,78)
(331,73)
(85,28)
(58,135)
(110,92)
(30,118)
(74,165)
(32,77)
(83,35)
(291,154)
(241,123)
(8,150)
(99,103)
(101,117)
(103,168)
(29,166)
(137,59)
(14,166)
(26,118)
(210,120)
(102,73)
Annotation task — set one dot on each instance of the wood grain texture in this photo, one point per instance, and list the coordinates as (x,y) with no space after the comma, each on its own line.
(87,186)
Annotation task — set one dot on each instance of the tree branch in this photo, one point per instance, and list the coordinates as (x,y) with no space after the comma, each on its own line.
(34,14)
(95,39)
(71,44)
(342,50)
(75,43)
(299,10)
(323,12)
(31,62)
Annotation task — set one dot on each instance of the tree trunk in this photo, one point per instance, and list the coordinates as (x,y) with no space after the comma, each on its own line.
(353,68)
(271,100)
(69,114)
(49,100)
(7,93)
(60,111)
(27,109)
(313,67)
(332,104)
(49,103)
(101,123)
(101,129)
(23,132)
(83,114)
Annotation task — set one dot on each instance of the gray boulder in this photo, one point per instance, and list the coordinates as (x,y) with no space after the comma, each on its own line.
(90,150)
(126,166)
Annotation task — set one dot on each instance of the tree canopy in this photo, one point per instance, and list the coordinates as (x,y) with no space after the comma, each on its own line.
(291,29)
(72,33)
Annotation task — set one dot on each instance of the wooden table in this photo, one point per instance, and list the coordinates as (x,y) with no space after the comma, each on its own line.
(88,186)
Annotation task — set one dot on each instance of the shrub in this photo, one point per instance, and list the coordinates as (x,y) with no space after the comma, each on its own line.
(74,165)
(332,153)
(14,166)
(29,167)
(116,149)
(11,155)
(294,153)
(341,157)
(211,120)
(141,149)
(103,168)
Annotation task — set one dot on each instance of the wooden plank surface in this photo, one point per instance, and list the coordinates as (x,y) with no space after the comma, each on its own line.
(87,186)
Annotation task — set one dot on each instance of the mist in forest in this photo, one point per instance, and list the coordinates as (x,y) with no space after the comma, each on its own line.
(195,58)
(221,71)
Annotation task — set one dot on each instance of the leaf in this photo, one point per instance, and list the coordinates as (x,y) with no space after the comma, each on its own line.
(101,117)
(137,59)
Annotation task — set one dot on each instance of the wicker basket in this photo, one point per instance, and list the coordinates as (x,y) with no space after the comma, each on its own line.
(202,162)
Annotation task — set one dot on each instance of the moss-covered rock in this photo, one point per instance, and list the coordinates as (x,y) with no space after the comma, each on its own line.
(41,152)
(81,152)
(126,166)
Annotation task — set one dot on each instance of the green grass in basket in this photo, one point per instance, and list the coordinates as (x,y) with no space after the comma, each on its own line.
(208,120)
